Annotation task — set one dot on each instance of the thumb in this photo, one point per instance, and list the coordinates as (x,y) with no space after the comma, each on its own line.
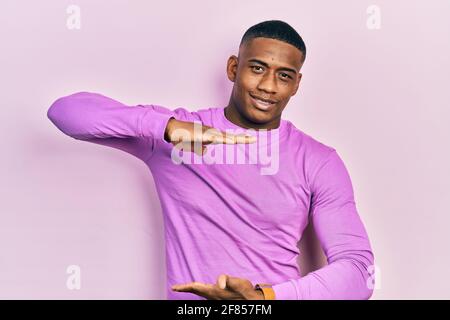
(222,281)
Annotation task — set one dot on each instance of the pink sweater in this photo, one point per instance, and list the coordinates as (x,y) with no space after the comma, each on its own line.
(235,218)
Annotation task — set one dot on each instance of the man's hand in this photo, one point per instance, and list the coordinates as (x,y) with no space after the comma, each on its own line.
(186,136)
(226,288)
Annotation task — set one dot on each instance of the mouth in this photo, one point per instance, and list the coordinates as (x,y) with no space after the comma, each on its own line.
(262,104)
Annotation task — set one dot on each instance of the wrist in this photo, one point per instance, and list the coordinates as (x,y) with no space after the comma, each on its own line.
(266,290)
(259,295)
(167,132)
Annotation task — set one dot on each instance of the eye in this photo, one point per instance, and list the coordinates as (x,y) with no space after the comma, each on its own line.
(253,68)
(286,76)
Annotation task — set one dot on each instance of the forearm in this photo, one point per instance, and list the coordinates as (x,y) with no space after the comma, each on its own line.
(101,120)
(346,279)
(86,115)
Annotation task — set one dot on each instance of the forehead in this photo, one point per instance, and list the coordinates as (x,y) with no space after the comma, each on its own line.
(272,51)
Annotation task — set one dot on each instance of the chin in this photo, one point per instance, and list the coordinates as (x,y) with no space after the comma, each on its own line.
(257,116)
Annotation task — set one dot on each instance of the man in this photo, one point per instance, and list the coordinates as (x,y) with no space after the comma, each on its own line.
(232,232)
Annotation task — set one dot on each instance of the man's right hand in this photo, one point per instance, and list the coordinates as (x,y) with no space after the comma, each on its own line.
(181,135)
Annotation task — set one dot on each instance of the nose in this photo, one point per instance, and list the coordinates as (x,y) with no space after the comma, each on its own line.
(267,84)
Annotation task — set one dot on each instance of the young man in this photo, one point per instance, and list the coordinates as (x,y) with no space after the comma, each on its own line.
(232,230)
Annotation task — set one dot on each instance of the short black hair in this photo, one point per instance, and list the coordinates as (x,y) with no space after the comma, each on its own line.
(275,29)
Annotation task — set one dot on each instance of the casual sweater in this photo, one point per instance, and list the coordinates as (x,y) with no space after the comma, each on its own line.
(242,218)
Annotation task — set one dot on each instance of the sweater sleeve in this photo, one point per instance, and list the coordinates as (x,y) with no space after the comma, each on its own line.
(98,119)
(343,239)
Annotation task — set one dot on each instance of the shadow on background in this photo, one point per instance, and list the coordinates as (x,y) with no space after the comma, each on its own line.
(311,255)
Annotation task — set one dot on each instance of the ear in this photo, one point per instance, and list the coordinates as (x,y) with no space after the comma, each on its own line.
(232,65)
(297,84)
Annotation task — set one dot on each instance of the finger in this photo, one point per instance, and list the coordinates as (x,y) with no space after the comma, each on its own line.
(199,150)
(188,146)
(232,139)
(215,138)
(242,138)
(222,281)
(187,287)
(207,291)
(210,135)
(184,145)
(180,287)
(234,283)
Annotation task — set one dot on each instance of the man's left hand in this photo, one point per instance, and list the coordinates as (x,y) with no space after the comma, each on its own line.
(226,288)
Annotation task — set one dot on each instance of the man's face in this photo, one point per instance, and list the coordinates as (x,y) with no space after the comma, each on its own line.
(266,68)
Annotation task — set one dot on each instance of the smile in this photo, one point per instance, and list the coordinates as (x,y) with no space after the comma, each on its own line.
(261,104)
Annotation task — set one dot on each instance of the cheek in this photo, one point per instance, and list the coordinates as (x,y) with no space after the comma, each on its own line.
(285,92)
(248,80)
(281,106)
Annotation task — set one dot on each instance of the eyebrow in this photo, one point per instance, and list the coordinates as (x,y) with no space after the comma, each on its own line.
(267,65)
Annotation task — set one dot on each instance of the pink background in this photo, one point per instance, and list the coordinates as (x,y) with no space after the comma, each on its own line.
(380,97)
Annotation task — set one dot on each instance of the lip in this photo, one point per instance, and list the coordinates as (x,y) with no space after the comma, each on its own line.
(262,105)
